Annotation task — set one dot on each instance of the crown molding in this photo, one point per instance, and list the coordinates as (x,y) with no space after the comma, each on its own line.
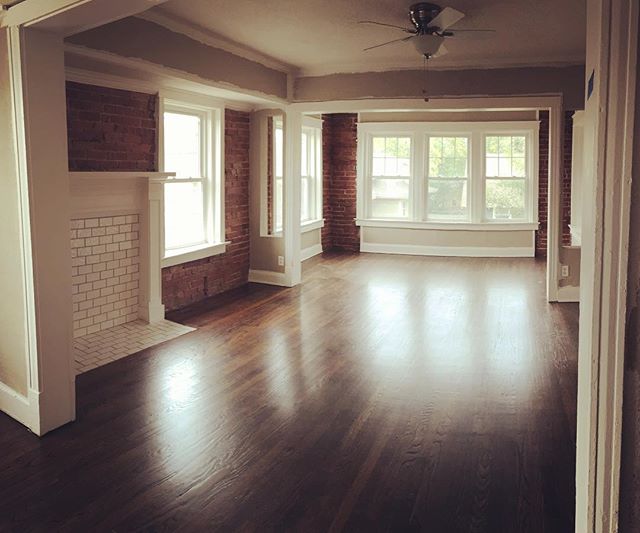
(209,38)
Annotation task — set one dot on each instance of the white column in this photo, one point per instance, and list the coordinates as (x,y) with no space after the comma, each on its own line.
(41,394)
(577,165)
(152,223)
(293,141)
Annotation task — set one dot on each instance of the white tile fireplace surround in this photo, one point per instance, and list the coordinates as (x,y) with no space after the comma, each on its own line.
(105,273)
(116,246)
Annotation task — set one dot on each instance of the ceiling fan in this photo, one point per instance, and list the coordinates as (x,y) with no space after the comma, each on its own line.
(432,25)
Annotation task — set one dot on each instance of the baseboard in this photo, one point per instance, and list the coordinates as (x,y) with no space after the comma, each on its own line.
(448,251)
(19,407)
(568,294)
(268,277)
(310,252)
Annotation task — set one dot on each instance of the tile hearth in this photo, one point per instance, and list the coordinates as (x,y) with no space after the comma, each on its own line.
(103,347)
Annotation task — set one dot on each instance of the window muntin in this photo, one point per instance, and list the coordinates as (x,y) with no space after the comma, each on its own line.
(506,177)
(447,178)
(390,176)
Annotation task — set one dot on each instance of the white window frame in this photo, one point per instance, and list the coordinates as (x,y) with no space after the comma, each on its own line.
(275,206)
(365,163)
(420,133)
(313,128)
(211,113)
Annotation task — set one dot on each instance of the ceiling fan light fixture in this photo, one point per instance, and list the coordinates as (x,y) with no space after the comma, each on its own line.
(428,44)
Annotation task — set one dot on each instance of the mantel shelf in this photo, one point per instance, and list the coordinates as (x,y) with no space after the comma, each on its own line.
(121,175)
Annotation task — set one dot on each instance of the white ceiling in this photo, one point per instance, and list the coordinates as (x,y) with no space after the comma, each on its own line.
(322,36)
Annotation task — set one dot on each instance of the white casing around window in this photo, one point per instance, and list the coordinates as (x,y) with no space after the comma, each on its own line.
(419,132)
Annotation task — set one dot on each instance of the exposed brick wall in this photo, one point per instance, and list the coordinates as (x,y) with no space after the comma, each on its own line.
(543,182)
(340,157)
(327,142)
(565,199)
(190,282)
(110,129)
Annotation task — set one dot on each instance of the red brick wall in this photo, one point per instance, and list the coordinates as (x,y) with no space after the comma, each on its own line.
(110,129)
(543,182)
(327,142)
(565,199)
(339,157)
(190,282)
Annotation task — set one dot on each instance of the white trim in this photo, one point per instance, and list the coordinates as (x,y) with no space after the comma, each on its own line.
(120,175)
(193,253)
(448,251)
(209,38)
(23,409)
(311,225)
(268,277)
(448,226)
(310,252)
(569,293)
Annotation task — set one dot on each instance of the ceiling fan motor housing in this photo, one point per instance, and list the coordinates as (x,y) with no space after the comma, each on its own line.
(422,14)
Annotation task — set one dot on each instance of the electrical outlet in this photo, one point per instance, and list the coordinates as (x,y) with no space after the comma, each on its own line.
(564,271)
(280,260)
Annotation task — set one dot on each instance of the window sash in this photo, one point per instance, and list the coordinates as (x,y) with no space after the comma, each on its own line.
(209,152)
(419,209)
(311,174)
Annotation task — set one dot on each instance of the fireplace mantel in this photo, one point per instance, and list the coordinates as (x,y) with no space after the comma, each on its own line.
(107,194)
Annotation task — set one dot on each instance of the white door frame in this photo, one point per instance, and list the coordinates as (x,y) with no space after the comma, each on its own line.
(609,115)
(552,103)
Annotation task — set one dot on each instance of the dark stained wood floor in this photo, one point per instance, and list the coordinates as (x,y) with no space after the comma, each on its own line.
(385,393)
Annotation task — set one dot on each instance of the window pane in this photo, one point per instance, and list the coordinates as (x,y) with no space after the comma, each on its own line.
(448,157)
(305,205)
(492,166)
(378,146)
(447,199)
(304,170)
(182,145)
(504,168)
(277,204)
(517,167)
(278,148)
(492,146)
(391,156)
(184,214)
(505,146)
(390,198)
(505,199)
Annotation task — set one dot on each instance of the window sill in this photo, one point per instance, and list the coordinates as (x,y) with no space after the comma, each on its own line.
(311,225)
(193,253)
(454,226)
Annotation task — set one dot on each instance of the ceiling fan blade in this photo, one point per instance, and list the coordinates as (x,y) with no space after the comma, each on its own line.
(441,51)
(469,34)
(446,18)
(389,42)
(387,25)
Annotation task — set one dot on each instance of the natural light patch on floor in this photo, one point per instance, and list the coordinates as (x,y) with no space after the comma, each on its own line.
(97,349)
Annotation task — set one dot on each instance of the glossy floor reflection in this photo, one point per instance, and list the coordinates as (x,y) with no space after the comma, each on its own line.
(385,393)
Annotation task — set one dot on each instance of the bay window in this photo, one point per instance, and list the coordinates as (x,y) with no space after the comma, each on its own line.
(454,174)
(190,147)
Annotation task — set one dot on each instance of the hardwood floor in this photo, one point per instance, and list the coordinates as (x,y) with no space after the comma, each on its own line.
(385,393)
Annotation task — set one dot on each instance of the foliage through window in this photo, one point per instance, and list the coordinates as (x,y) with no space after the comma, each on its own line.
(448,172)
